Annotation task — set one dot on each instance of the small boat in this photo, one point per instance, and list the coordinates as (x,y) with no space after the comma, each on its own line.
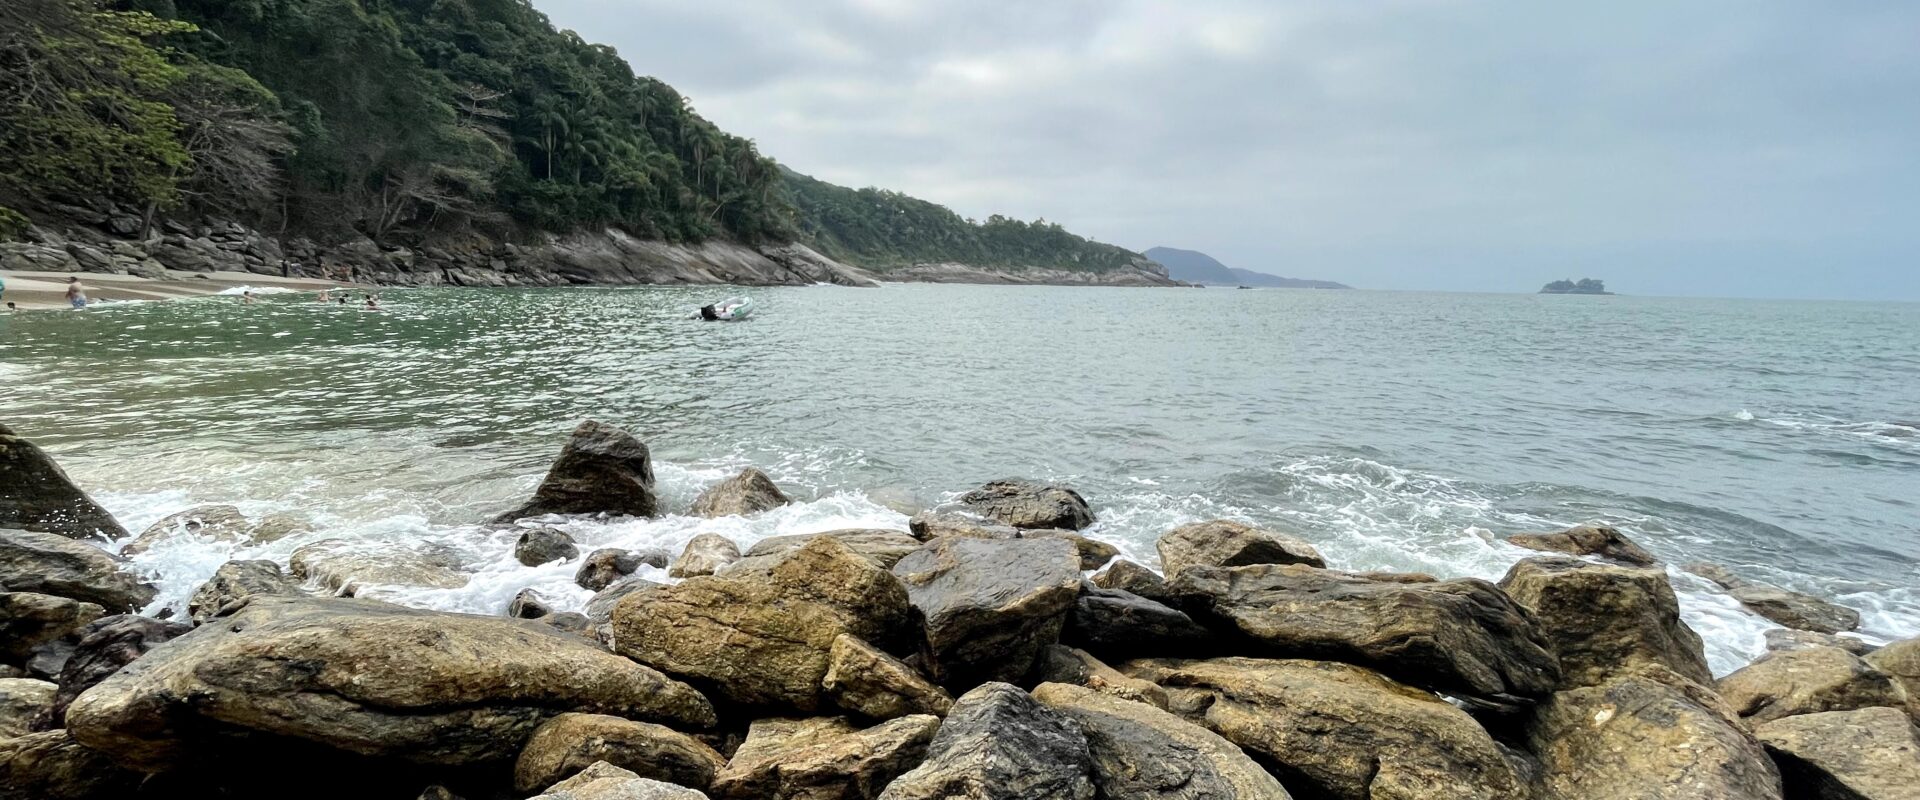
(732,309)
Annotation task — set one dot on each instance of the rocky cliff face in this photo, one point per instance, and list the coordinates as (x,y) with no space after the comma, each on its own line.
(110,241)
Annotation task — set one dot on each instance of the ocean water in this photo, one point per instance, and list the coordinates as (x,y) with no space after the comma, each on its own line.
(1401,431)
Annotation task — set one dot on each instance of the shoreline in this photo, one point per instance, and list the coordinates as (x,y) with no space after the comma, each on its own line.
(45,291)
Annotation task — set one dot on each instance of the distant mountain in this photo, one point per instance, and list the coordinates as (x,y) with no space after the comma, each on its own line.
(1583,286)
(1193,266)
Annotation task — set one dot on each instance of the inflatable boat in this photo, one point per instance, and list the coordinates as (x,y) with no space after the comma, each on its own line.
(732,309)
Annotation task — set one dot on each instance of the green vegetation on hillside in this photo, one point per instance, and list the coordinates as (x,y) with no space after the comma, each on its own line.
(402,120)
(1583,286)
(879,229)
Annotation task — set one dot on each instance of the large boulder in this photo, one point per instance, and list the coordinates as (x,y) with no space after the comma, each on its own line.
(705,554)
(1119,624)
(600,606)
(601,470)
(1094,553)
(1224,543)
(1868,754)
(866,680)
(219,523)
(881,546)
(23,703)
(1795,639)
(1598,541)
(1336,730)
(1633,738)
(749,492)
(1144,753)
(1807,681)
(569,743)
(990,605)
(105,647)
(765,638)
(824,758)
(48,563)
(52,766)
(1462,637)
(1901,660)
(233,583)
(1027,504)
(1781,606)
(366,678)
(604,781)
(1601,620)
(40,497)
(346,567)
(29,620)
(929,525)
(538,546)
(1001,744)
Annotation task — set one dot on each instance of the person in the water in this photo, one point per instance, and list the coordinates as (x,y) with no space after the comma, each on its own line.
(325,296)
(246,298)
(373,303)
(76,294)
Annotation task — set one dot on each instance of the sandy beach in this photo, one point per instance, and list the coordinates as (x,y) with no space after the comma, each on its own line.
(47,290)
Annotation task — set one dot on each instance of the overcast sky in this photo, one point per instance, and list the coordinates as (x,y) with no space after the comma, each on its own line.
(1743,148)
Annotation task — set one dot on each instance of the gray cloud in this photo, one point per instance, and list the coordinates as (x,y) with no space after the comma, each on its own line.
(1728,147)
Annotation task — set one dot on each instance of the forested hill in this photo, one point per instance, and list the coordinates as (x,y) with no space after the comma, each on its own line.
(880,230)
(412,121)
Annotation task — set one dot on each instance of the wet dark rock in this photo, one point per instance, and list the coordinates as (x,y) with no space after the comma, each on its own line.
(824,758)
(601,470)
(1600,620)
(600,607)
(1223,543)
(1815,679)
(999,743)
(236,581)
(1076,667)
(764,638)
(48,563)
(1463,638)
(1598,541)
(704,555)
(366,678)
(29,620)
(1028,504)
(866,680)
(1113,623)
(538,546)
(1868,754)
(609,564)
(528,604)
(1131,577)
(990,605)
(749,492)
(1633,738)
(1094,553)
(1781,606)
(40,497)
(569,743)
(1144,753)
(1337,730)
(105,647)
(930,525)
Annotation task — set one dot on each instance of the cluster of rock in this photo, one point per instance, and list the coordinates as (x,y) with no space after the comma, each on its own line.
(112,239)
(971,656)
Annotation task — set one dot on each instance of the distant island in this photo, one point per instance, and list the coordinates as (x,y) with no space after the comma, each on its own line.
(1582,286)
(1193,266)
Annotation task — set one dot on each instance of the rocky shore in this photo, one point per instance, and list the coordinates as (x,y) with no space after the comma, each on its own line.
(112,241)
(990,650)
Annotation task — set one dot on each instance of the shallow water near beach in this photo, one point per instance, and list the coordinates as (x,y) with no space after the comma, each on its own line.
(1400,431)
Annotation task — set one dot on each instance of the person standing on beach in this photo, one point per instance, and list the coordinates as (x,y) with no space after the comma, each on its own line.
(76,294)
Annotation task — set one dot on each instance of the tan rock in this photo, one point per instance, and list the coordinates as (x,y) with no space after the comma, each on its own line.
(882,547)
(29,620)
(48,563)
(1224,543)
(1068,665)
(704,555)
(346,567)
(1633,738)
(1601,619)
(749,492)
(1598,541)
(1901,660)
(1144,753)
(236,581)
(605,781)
(52,766)
(824,758)
(368,678)
(1344,731)
(23,700)
(1870,754)
(218,523)
(990,605)
(569,743)
(865,680)
(1789,683)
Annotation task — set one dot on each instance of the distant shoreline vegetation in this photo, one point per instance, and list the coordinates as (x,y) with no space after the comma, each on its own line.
(1582,286)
